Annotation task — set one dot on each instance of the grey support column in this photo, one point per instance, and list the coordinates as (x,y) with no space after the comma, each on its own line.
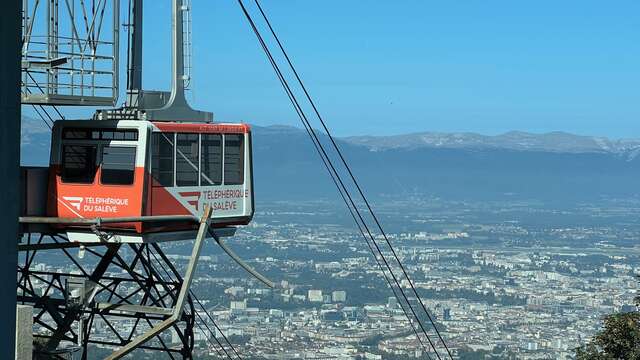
(10,38)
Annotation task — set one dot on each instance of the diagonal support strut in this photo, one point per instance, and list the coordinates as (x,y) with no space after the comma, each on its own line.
(184,292)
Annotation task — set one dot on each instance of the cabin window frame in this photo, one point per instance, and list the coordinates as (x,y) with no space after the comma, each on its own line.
(173,137)
(101,163)
(220,167)
(97,142)
(98,134)
(165,136)
(188,159)
(241,159)
(63,162)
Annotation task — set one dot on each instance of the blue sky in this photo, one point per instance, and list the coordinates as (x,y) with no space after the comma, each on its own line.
(389,67)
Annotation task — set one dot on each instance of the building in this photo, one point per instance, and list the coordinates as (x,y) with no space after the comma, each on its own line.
(314,295)
(446,314)
(238,306)
(339,296)
(392,302)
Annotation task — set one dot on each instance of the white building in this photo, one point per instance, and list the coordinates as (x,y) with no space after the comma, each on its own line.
(339,296)
(315,295)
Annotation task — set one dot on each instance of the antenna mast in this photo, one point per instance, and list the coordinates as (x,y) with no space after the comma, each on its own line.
(162,105)
(134,61)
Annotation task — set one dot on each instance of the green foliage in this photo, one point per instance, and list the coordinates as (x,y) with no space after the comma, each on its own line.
(619,339)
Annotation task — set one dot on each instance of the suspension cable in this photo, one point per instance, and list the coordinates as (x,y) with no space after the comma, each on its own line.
(353,216)
(342,195)
(347,167)
(55,108)
(351,175)
(310,129)
(229,344)
(214,324)
(41,116)
(333,176)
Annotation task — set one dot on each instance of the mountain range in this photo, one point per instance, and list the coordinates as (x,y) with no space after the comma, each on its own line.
(554,166)
(560,142)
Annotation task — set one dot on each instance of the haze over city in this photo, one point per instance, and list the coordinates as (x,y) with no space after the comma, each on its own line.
(453,181)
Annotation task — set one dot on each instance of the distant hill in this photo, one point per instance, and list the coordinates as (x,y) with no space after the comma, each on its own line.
(559,142)
(549,167)
(35,142)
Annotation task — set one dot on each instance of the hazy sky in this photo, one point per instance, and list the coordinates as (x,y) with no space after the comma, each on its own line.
(387,67)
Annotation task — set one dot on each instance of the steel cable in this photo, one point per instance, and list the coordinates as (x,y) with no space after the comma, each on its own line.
(347,167)
(333,170)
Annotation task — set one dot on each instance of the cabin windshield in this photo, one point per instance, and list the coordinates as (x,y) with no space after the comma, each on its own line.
(118,165)
(85,150)
(79,163)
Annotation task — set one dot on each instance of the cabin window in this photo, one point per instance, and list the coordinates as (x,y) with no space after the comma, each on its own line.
(233,159)
(71,133)
(211,161)
(99,134)
(162,153)
(78,163)
(118,165)
(119,134)
(187,159)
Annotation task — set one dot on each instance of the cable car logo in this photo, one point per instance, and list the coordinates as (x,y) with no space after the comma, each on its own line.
(74,201)
(192,197)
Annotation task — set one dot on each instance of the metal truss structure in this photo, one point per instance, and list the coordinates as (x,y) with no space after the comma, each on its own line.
(106,297)
(70,52)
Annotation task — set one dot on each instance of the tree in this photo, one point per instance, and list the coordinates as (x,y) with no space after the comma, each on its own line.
(619,339)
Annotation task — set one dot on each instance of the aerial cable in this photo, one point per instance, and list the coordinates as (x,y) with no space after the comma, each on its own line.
(216,339)
(46,113)
(201,306)
(38,112)
(215,325)
(351,212)
(315,138)
(212,335)
(55,108)
(204,322)
(263,279)
(339,152)
(42,109)
(41,116)
(342,195)
(193,295)
(303,118)
(317,146)
(384,274)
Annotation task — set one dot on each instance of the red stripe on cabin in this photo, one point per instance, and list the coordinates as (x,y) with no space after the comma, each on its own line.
(163,202)
(202,128)
(190,193)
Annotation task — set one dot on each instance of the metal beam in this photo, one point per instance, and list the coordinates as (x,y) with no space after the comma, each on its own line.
(108,220)
(74,313)
(263,279)
(182,295)
(134,74)
(134,308)
(10,64)
(142,295)
(177,108)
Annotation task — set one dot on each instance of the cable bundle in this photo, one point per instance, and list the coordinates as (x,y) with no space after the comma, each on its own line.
(392,277)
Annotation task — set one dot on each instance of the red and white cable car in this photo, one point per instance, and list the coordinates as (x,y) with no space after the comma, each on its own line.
(133,168)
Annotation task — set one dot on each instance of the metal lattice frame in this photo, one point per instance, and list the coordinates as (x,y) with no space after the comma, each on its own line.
(70,52)
(124,294)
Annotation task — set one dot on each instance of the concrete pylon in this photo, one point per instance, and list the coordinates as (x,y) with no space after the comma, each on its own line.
(24,332)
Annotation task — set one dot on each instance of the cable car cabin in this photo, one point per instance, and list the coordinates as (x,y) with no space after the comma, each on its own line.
(125,168)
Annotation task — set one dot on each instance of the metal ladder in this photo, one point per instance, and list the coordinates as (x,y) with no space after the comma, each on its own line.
(187,44)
